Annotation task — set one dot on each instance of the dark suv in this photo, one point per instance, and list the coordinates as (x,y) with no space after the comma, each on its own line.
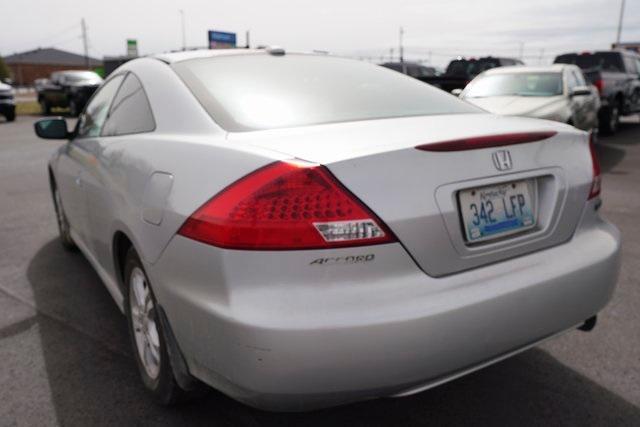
(616,74)
(461,71)
(68,89)
(7,102)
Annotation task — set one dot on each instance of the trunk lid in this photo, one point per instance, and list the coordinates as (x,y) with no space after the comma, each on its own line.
(416,192)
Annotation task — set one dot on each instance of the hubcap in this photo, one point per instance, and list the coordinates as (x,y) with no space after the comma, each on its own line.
(144,323)
(614,118)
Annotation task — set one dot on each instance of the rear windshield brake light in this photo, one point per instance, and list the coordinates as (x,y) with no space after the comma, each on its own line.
(474,143)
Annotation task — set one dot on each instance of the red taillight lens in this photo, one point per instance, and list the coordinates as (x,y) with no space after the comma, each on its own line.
(286,205)
(600,85)
(597,177)
(475,143)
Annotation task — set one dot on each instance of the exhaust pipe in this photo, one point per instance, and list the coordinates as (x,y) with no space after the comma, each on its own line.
(589,324)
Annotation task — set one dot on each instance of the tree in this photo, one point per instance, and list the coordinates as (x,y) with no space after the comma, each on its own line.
(4,70)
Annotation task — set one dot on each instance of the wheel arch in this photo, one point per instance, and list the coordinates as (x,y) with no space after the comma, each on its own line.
(52,178)
(121,244)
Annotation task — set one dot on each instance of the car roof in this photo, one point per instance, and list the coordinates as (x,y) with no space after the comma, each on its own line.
(186,55)
(555,68)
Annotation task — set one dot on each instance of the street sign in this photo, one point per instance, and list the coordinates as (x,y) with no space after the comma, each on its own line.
(221,40)
(132,47)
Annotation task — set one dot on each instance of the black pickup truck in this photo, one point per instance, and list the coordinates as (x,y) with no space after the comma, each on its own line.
(68,89)
(616,74)
(461,71)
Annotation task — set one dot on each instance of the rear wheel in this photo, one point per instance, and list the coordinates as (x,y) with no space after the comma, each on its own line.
(147,335)
(63,223)
(611,119)
(11,116)
(44,107)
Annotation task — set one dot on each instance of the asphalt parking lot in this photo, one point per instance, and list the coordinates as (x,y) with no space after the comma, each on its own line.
(65,357)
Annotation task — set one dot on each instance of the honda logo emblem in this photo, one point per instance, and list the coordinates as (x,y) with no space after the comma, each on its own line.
(502,160)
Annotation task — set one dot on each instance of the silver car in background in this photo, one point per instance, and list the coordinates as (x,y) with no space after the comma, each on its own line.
(300,231)
(556,92)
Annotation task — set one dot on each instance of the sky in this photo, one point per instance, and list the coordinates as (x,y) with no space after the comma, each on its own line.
(434,30)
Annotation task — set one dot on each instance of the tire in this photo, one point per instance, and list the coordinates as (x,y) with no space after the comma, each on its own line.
(147,336)
(610,120)
(64,228)
(11,116)
(45,107)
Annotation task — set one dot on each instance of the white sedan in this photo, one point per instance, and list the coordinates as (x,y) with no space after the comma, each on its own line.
(556,92)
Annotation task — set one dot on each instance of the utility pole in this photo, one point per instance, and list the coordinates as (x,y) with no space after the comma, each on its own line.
(620,22)
(391,54)
(85,43)
(248,39)
(541,56)
(184,35)
(401,48)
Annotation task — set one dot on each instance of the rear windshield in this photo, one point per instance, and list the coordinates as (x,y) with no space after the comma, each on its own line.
(516,84)
(261,91)
(466,68)
(607,61)
(82,76)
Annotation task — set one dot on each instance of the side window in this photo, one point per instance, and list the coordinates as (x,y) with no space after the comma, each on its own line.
(630,65)
(413,71)
(637,65)
(93,118)
(130,111)
(571,80)
(426,72)
(579,78)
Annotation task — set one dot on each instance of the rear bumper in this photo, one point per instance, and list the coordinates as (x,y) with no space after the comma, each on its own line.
(335,337)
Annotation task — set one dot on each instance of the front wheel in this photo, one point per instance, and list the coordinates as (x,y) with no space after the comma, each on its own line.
(11,116)
(147,335)
(44,107)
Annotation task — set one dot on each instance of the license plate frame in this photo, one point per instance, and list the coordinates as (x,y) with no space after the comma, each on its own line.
(524,217)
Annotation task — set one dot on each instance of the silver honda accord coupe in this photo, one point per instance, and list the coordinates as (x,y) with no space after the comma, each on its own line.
(300,231)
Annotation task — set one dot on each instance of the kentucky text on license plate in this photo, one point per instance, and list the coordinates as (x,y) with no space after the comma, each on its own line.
(497,210)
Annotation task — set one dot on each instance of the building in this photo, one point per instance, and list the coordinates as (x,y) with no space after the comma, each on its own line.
(25,67)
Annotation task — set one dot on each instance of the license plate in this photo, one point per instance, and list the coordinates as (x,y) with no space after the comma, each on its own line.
(497,210)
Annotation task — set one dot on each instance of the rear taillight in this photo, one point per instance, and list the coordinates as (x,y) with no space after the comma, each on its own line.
(600,85)
(597,176)
(474,143)
(286,205)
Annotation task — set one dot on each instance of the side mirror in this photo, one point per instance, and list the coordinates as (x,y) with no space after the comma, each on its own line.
(54,128)
(456,92)
(580,91)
